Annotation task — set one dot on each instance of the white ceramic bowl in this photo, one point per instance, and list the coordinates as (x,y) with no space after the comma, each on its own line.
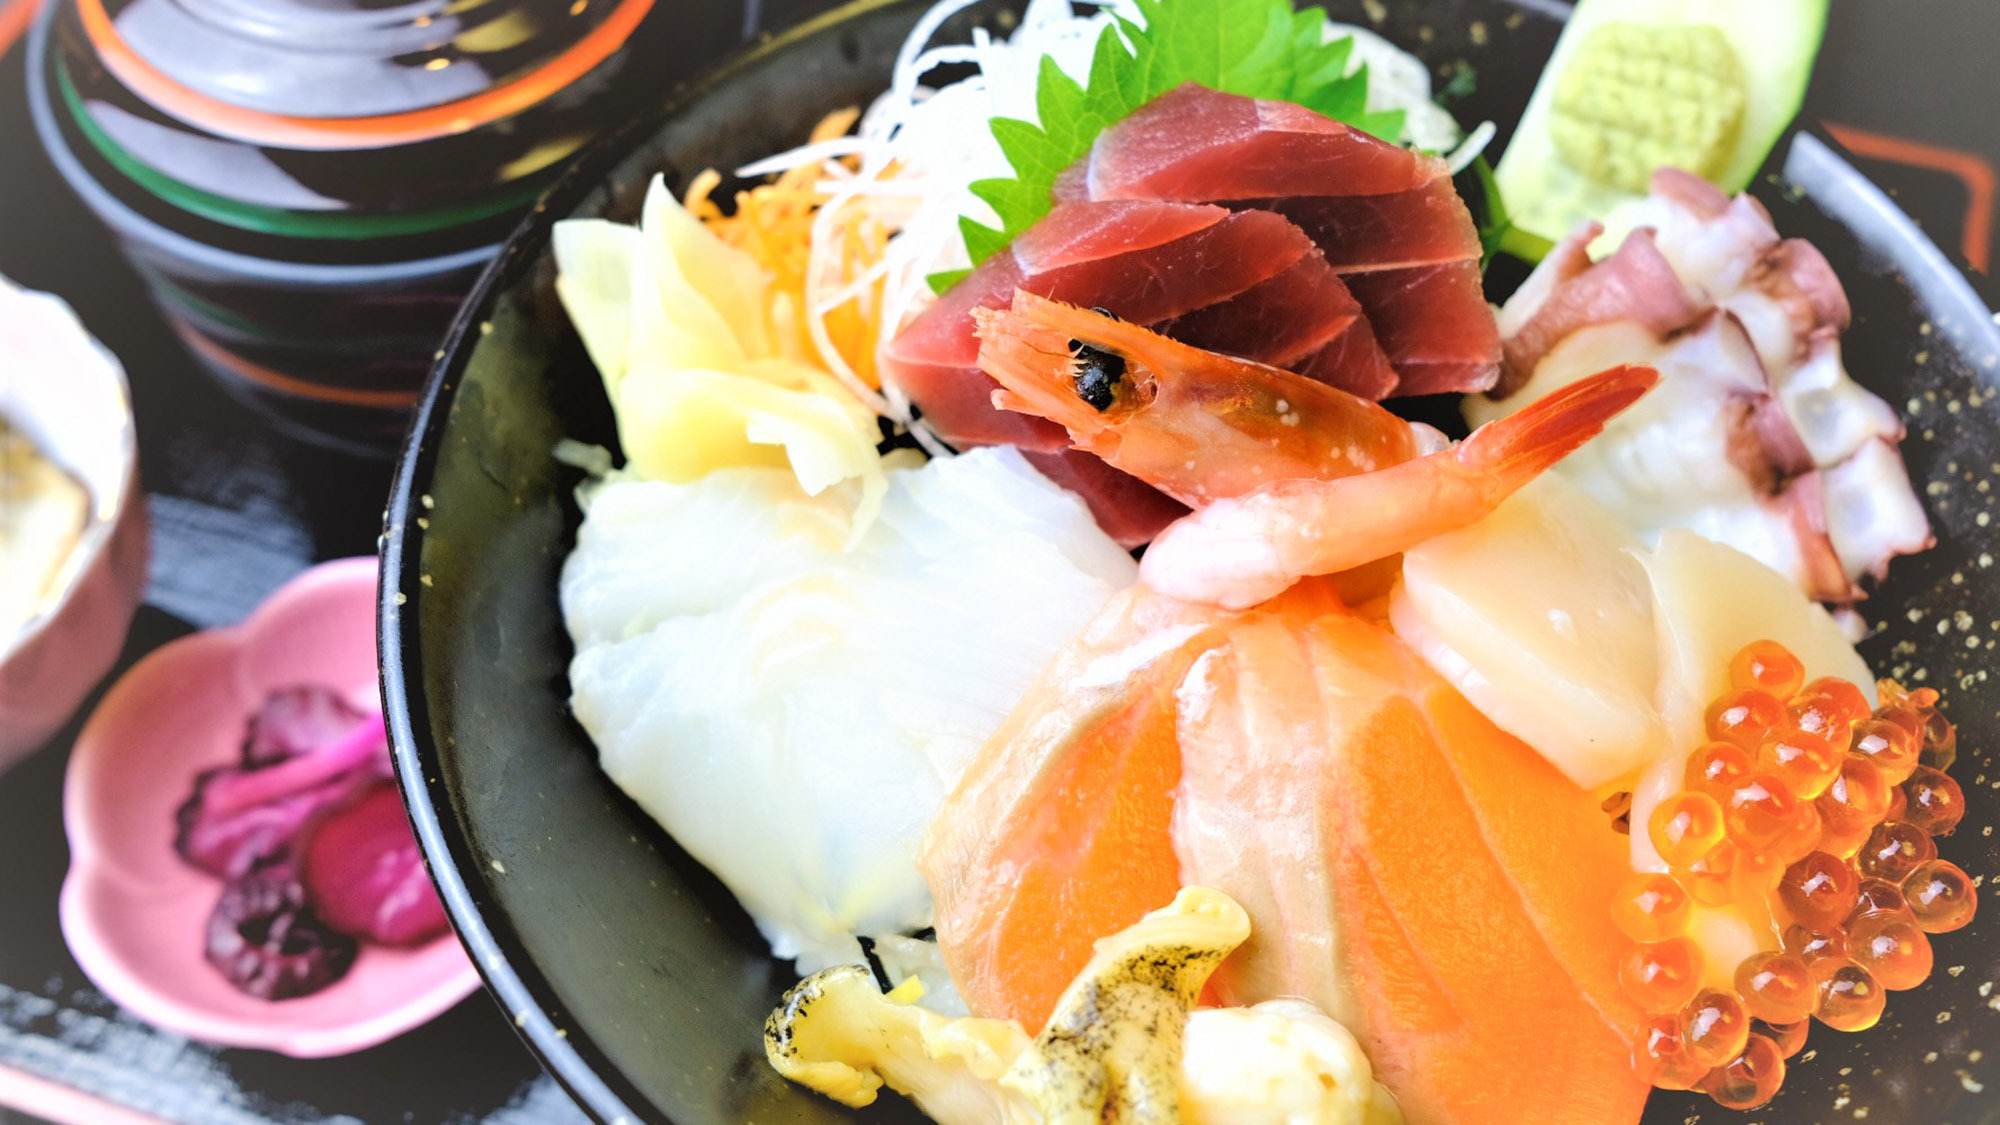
(67,394)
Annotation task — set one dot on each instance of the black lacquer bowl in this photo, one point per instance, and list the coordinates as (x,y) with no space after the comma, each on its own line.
(633,973)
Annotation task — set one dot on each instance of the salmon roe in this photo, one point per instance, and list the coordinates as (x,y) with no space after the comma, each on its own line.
(1662,976)
(1811,810)
(1710,879)
(1892,947)
(1767,666)
(1662,1060)
(1716,768)
(1776,987)
(1743,718)
(1751,1079)
(1759,810)
(1941,897)
(1685,827)
(1806,762)
(1651,908)
(1790,1037)
(1714,1027)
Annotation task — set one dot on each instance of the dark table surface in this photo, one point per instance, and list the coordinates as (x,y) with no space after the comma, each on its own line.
(237,509)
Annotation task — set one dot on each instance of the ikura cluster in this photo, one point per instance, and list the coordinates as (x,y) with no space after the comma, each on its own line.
(1811,814)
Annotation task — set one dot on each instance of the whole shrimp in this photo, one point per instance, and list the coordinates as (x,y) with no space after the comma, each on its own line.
(1196,425)
(1289,477)
(1241,551)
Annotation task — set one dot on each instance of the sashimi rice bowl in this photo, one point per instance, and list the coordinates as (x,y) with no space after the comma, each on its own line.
(1175,577)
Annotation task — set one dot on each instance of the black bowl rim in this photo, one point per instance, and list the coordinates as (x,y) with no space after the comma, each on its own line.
(569,1055)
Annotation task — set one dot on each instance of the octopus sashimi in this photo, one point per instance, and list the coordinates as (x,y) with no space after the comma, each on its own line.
(1769,444)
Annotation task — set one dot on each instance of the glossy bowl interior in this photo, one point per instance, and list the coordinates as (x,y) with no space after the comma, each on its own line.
(627,967)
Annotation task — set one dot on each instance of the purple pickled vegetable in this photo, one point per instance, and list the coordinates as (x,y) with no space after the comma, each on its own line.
(297,720)
(365,876)
(239,819)
(268,942)
(313,844)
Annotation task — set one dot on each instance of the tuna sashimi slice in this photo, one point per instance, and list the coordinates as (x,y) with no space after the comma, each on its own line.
(1144,261)
(1282,322)
(1200,145)
(1355,362)
(1425,226)
(1434,324)
(1127,509)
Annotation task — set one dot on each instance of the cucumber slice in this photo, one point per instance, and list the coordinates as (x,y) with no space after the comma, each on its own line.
(1696,113)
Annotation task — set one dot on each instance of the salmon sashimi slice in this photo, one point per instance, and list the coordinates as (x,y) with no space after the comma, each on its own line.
(1198,145)
(1145,261)
(1059,832)
(1426,878)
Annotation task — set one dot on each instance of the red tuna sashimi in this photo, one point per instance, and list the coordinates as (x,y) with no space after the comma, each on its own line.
(1355,362)
(1434,324)
(1372,208)
(1282,322)
(1144,261)
(1198,145)
(1425,226)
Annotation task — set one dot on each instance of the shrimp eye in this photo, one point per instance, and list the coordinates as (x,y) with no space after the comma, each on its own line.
(1097,374)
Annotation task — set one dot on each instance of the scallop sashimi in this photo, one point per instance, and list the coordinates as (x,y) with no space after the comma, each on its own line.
(751,711)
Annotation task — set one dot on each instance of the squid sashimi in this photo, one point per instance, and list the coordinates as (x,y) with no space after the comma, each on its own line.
(751,681)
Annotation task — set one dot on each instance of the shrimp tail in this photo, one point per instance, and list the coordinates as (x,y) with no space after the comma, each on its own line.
(1525,444)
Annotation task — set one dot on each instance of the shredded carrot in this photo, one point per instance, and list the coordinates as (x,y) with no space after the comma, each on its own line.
(773,223)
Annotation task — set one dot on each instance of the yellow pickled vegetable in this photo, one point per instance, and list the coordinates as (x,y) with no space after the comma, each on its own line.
(701,370)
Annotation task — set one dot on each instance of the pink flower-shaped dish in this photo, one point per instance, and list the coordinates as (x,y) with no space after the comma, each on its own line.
(134,912)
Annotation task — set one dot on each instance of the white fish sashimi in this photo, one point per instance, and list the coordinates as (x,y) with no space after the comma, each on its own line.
(794,713)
